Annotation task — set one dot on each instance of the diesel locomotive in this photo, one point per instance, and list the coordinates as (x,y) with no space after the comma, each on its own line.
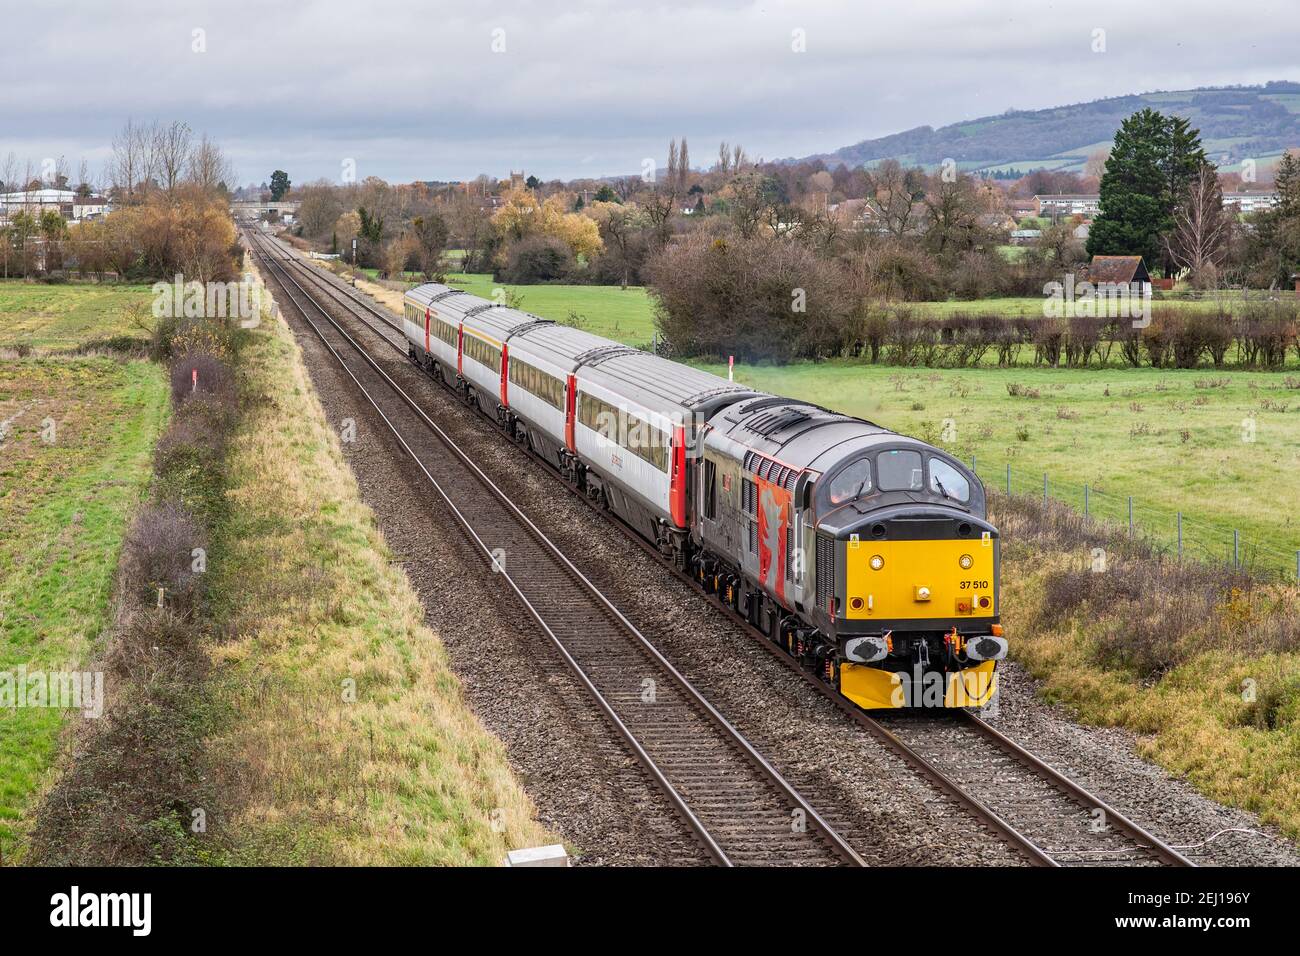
(865,554)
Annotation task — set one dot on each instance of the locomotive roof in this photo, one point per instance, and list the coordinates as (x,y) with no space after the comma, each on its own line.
(798,434)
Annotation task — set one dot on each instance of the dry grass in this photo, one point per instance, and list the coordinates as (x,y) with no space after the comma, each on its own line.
(389,298)
(348,741)
(1202,663)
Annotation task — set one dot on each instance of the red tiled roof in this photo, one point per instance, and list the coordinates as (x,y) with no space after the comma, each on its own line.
(1118,269)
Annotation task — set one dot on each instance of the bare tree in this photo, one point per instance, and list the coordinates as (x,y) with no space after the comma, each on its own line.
(208,167)
(171,151)
(731,159)
(894,193)
(660,202)
(131,164)
(10,172)
(1199,237)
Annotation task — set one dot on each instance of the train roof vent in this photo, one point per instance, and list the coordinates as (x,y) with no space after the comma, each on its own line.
(534,322)
(448,294)
(775,420)
(603,353)
(483,308)
(708,393)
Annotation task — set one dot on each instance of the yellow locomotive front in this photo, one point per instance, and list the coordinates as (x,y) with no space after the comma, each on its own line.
(907,572)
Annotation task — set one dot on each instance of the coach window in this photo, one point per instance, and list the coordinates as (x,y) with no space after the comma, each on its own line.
(947,481)
(853,482)
(899,471)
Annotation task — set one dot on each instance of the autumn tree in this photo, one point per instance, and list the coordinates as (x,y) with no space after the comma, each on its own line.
(430,234)
(522,216)
(620,228)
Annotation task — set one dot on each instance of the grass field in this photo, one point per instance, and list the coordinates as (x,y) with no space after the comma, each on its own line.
(626,315)
(55,317)
(75,458)
(1175,440)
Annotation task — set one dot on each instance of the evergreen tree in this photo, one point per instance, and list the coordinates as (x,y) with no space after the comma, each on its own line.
(1151,167)
(279,185)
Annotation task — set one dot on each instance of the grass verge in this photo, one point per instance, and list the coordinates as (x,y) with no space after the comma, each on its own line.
(1202,663)
(345,738)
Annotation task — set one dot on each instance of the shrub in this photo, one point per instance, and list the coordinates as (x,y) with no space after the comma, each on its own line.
(1083,335)
(538,258)
(1049,341)
(196,372)
(1265,332)
(158,552)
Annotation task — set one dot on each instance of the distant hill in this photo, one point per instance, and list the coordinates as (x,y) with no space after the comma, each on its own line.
(1236,123)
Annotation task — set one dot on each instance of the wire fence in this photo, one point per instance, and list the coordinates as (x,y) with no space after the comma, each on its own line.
(1186,537)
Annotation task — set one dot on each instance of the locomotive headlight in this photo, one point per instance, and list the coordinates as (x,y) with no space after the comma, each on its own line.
(966,561)
(877,562)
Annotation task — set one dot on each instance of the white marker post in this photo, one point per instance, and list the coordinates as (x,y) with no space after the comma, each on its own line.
(731,368)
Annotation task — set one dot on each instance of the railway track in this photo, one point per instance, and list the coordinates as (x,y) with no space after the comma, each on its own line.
(1049,819)
(739,807)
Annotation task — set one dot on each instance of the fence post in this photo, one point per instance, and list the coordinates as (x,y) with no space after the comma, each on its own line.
(973,462)
(1130,517)
(1085,502)
(1236,549)
(1180,538)
(1008,479)
(1297,565)
(1044,487)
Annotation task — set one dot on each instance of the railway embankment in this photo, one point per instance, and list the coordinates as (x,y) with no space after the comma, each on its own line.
(346,729)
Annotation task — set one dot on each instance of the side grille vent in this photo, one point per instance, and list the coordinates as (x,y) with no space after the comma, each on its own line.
(825,570)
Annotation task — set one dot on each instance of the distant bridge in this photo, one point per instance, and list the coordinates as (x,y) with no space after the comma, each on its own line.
(248,209)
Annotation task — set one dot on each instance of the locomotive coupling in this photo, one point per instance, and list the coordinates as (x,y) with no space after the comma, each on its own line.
(986,647)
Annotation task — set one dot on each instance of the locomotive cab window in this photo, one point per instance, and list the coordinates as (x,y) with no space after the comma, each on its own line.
(947,481)
(899,471)
(853,482)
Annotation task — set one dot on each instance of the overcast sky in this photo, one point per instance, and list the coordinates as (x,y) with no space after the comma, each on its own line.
(583,87)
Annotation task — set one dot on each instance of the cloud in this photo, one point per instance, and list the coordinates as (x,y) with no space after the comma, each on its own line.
(589,87)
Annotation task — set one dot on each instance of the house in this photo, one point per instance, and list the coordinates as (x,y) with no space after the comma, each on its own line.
(1020,208)
(1251,200)
(1082,230)
(1119,270)
(37,201)
(998,221)
(89,207)
(1068,204)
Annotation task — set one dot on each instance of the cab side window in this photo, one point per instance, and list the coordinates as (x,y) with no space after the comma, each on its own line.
(947,481)
(853,482)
